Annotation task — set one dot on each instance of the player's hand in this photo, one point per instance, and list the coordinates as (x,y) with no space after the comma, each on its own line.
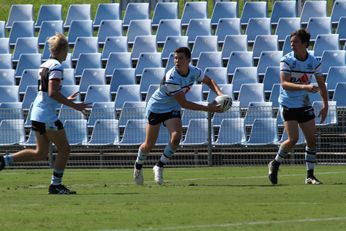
(214,107)
(73,96)
(312,88)
(82,107)
(323,114)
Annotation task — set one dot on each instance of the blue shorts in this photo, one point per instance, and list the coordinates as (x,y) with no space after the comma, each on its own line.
(157,118)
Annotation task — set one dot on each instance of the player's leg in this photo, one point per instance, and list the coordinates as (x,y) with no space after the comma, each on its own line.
(309,130)
(152,132)
(174,126)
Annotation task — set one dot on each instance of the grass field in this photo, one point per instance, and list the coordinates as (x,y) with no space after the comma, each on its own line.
(223,198)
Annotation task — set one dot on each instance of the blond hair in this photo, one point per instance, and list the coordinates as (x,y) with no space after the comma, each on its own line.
(57,43)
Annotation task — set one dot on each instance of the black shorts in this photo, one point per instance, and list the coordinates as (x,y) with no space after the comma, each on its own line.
(302,114)
(157,118)
(42,127)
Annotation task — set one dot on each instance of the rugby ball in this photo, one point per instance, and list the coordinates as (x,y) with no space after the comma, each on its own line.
(225,101)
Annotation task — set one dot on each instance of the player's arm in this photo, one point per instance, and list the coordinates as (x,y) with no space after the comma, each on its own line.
(180,98)
(286,84)
(324,95)
(211,84)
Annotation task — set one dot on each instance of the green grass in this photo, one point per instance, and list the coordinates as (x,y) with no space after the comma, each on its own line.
(223,198)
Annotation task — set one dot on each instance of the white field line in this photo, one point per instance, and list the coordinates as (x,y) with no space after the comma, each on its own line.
(230,225)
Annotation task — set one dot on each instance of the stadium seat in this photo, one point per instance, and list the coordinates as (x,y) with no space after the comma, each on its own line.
(48,29)
(274,95)
(9,94)
(227,89)
(338,11)
(253,10)
(68,113)
(301,138)
(2,29)
(68,74)
(21,29)
(319,25)
(232,132)
(264,43)
(98,93)
(218,74)
(339,95)
(198,27)
(164,11)
(5,61)
(146,60)
(20,12)
(138,28)
(29,96)
(77,12)
(126,93)
(112,29)
(286,48)
(11,111)
(283,9)
(101,110)
(7,77)
(271,77)
(79,28)
(31,141)
(171,43)
(87,60)
(118,60)
(114,44)
(76,131)
(167,27)
(232,113)
(239,59)
(325,42)
(209,59)
(227,27)
(151,89)
(188,115)
(134,133)
(263,132)
(195,94)
(258,110)
(25,46)
(222,10)
(313,9)
(12,132)
(122,76)
(46,13)
(250,92)
(243,75)
(106,11)
(202,44)
(68,61)
(334,76)
(91,76)
(233,43)
(151,76)
(257,26)
(67,90)
(135,11)
(196,133)
(193,10)
(29,77)
(143,44)
(163,137)
(84,45)
(341,29)
(27,61)
(332,58)
(105,132)
(131,112)
(331,115)
(4,45)
(267,59)
(170,62)
(286,26)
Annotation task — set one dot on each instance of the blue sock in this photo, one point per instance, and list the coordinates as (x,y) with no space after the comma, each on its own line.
(8,158)
(281,155)
(167,154)
(141,157)
(310,158)
(57,176)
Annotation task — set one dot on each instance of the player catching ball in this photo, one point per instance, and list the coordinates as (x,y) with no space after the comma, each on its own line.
(164,107)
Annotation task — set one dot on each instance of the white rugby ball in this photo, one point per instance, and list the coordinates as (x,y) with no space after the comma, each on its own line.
(225,101)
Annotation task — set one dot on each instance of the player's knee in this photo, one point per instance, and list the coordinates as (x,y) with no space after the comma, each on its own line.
(41,154)
(66,149)
(146,148)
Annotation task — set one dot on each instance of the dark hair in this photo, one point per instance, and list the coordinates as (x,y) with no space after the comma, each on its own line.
(184,50)
(303,35)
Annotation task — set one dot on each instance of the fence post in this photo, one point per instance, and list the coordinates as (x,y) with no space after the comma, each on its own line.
(210,140)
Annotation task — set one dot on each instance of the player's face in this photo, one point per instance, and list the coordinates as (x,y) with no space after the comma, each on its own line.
(181,62)
(296,45)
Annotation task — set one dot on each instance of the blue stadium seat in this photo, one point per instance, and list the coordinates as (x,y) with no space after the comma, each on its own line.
(271,77)
(325,42)
(339,94)
(232,132)
(67,90)
(91,76)
(110,29)
(243,75)
(313,9)
(257,26)
(9,94)
(68,61)
(274,95)
(21,29)
(151,76)
(106,11)
(209,59)
(29,77)
(332,58)
(233,43)
(334,76)
(143,44)
(170,62)
(171,43)
(76,131)
(12,132)
(196,133)
(98,93)
(164,11)
(68,74)
(4,45)
(51,12)
(79,28)
(5,61)
(239,59)
(87,60)
(338,11)
(2,29)
(232,113)
(48,29)
(31,141)
(118,60)
(218,74)
(258,110)
(84,45)
(286,48)
(101,110)
(151,89)
(11,110)
(167,27)
(68,113)
(131,111)
(250,92)
(193,10)
(227,27)
(126,93)
(267,59)
(331,118)
(198,27)
(341,29)
(135,11)
(77,12)
(223,10)
(146,60)
(264,43)
(283,9)
(301,138)
(286,26)
(105,132)
(29,96)
(122,76)
(7,77)
(227,89)
(253,10)
(188,115)
(25,45)
(20,12)
(27,61)
(319,25)
(263,132)
(114,44)
(163,137)
(134,133)
(138,28)
(202,44)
